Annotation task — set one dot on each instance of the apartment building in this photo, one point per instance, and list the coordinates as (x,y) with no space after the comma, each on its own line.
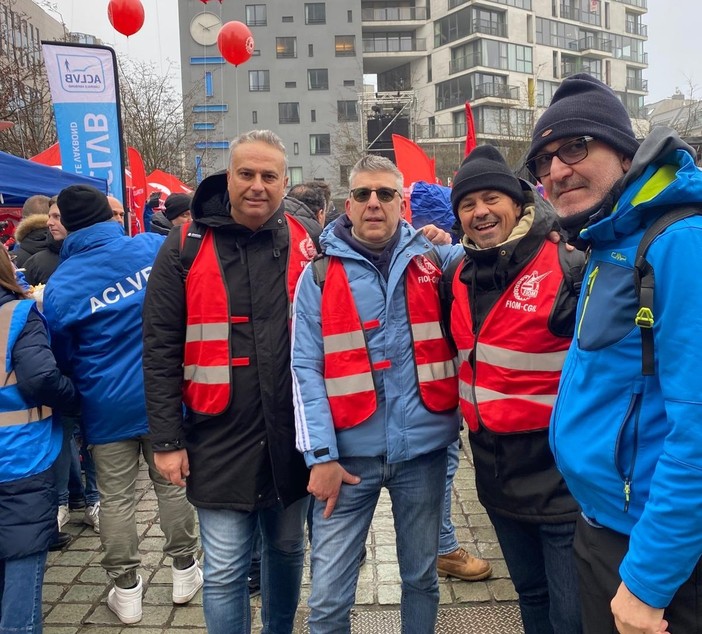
(305,80)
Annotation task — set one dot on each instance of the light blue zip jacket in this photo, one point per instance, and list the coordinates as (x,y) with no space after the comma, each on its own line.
(401,428)
(616,434)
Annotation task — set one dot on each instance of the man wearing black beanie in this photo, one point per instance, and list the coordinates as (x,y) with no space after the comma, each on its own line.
(512,318)
(626,429)
(93,304)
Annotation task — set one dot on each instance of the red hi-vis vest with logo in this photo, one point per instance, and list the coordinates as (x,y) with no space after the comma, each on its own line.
(208,360)
(517,359)
(348,368)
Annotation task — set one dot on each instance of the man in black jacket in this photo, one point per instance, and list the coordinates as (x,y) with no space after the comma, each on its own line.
(228,359)
(512,318)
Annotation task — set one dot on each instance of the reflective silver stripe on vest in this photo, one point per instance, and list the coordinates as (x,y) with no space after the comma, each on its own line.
(345,385)
(427,331)
(24,416)
(344,341)
(206,332)
(436,371)
(210,375)
(526,361)
(483,395)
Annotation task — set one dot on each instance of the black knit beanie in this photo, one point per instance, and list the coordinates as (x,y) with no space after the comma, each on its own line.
(484,168)
(82,206)
(177,204)
(583,105)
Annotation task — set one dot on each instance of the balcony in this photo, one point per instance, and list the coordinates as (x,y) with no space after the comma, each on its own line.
(487,27)
(639,4)
(570,12)
(460,64)
(394,14)
(595,46)
(572,67)
(441,131)
(632,56)
(637,84)
(636,28)
(494,90)
(392,44)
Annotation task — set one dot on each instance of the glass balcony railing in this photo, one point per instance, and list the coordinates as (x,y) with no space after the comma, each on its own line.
(569,12)
(497,90)
(636,83)
(595,44)
(394,14)
(393,44)
(636,28)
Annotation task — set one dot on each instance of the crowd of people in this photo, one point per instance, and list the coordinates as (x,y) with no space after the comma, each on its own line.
(277,364)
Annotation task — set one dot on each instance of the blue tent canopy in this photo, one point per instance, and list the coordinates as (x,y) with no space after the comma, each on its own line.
(20,179)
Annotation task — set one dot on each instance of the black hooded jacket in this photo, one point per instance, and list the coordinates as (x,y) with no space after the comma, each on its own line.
(245,458)
(39,267)
(516,474)
(32,236)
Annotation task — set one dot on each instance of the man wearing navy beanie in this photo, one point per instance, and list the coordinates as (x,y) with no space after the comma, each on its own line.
(512,318)
(627,423)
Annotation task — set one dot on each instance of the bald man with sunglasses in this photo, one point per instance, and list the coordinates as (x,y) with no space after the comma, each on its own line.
(375,390)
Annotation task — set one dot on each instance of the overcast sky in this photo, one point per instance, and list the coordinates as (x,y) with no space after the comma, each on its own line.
(674,45)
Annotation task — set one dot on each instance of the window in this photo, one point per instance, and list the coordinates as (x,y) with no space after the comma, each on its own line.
(349,16)
(286,47)
(313,116)
(346,111)
(289,112)
(254,116)
(256,15)
(349,83)
(320,144)
(211,107)
(291,84)
(212,145)
(207,60)
(209,90)
(315,13)
(310,50)
(203,125)
(259,81)
(288,18)
(345,45)
(296,148)
(318,79)
(295,176)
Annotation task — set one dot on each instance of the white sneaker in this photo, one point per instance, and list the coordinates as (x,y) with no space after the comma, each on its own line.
(186,582)
(64,516)
(126,603)
(91,517)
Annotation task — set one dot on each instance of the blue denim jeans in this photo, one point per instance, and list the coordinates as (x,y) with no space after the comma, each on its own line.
(541,562)
(81,461)
(447,537)
(416,490)
(20,594)
(228,539)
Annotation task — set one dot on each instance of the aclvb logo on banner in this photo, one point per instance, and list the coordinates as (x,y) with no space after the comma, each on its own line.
(81,73)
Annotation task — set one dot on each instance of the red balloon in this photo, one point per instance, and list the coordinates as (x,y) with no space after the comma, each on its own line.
(235,42)
(127,16)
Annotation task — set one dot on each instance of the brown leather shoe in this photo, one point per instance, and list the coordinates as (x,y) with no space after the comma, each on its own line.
(462,565)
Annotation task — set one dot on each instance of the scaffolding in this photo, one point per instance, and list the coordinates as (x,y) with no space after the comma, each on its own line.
(388,108)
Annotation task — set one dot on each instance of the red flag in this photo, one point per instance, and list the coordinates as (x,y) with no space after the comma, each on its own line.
(136,166)
(159,181)
(51,156)
(411,160)
(471,141)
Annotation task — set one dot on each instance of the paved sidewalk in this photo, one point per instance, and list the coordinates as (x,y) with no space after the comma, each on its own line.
(75,586)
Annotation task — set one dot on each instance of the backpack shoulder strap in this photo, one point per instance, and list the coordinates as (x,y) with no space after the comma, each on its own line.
(644,281)
(320,264)
(573,266)
(191,235)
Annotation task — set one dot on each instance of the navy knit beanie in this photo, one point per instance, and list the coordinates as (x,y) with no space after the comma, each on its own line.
(177,204)
(484,168)
(584,106)
(82,206)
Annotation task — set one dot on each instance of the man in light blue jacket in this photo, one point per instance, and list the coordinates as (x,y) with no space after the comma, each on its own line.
(375,392)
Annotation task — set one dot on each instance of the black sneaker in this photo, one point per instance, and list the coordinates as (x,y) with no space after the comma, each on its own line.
(254,587)
(60,541)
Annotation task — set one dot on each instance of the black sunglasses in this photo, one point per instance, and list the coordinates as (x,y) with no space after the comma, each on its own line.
(384,194)
(569,153)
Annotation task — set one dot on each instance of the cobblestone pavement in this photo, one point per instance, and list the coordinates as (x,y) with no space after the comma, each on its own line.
(75,585)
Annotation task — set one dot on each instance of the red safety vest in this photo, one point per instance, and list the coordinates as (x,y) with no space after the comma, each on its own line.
(207,359)
(517,359)
(348,368)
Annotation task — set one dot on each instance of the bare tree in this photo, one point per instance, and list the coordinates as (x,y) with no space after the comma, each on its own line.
(156,119)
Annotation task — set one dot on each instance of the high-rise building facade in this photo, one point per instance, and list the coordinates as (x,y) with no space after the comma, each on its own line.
(305,80)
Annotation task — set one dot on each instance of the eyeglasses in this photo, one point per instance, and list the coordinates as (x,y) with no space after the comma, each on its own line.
(569,153)
(384,194)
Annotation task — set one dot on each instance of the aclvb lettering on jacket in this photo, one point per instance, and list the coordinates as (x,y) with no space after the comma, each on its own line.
(134,283)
